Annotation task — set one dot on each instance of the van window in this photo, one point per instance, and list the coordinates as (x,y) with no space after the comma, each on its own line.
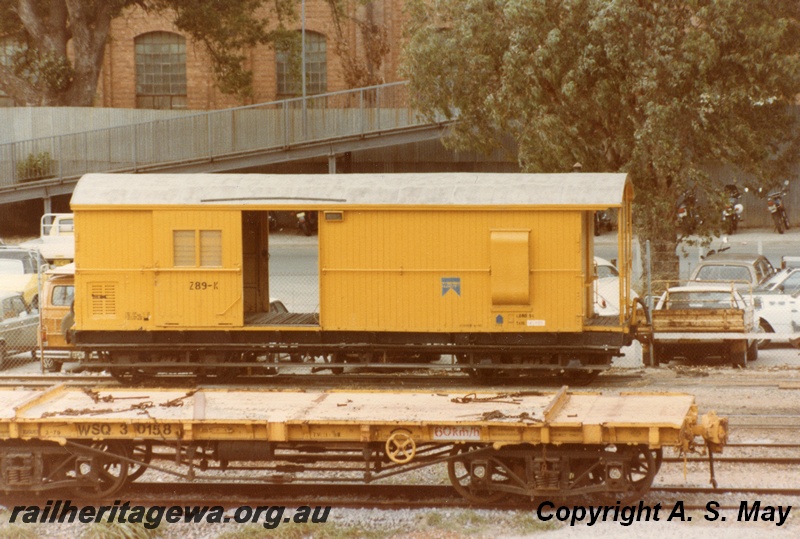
(62,295)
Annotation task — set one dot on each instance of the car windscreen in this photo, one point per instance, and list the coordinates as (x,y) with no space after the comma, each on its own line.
(701,300)
(9,266)
(723,273)
(26,258)
(606,271)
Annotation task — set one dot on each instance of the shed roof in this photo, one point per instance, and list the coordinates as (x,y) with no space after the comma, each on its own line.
(332,190)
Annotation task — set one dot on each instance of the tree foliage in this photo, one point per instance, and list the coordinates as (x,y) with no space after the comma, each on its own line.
(659,89)
(60,43)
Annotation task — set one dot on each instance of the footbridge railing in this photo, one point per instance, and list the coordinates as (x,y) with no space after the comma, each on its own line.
(208,136)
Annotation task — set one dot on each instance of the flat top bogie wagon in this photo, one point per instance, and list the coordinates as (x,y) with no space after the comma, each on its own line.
(446,252)
(96,441)
(654,419)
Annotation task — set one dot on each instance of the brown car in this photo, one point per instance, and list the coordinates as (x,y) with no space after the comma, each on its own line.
(747,270)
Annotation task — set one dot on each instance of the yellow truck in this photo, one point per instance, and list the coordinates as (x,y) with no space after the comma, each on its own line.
(58,292)
(702,321)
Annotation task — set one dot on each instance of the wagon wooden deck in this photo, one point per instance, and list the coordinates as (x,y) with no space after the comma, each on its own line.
(346,416)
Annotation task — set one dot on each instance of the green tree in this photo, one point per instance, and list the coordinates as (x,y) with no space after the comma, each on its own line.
(659,89)
(43,72)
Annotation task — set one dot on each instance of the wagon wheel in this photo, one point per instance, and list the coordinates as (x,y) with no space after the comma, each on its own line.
(640,471)
(142,452)
(466,479)
(105,473)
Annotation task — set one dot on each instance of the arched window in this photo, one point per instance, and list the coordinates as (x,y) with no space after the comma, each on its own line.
(160,71)
(289,70)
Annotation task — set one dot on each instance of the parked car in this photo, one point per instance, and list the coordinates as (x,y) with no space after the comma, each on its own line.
(777,303)
(778,313)
(786,281)
(606,288)
(746,270)
(704,321)
(19,272)
(18,326)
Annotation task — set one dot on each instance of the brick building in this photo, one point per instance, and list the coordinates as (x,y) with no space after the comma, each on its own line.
(149,63)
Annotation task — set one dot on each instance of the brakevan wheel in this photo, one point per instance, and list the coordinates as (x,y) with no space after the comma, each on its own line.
(581,377)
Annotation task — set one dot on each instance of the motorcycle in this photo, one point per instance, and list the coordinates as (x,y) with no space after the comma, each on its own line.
(732,213)
(307,222)
(687,216)
(602,222)
(777,209)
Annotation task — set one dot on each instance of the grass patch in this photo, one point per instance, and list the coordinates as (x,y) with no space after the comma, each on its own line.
(16,530)
(119,530)
(472,523)
(302,531)
(19,531)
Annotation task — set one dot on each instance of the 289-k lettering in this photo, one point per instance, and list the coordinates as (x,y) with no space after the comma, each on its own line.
(202,285)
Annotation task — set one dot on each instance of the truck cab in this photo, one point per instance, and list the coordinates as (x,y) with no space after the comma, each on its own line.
(58,293)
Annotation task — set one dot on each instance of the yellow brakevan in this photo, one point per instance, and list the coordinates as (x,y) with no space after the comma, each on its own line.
(491,269)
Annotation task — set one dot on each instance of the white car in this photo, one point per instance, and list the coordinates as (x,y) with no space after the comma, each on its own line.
(707,333)
(606,288)
(777,303)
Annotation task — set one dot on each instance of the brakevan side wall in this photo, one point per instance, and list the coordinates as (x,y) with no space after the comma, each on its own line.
(453,270)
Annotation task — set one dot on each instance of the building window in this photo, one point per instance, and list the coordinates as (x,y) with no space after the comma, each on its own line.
(197,248)
(160,71)
(9,47)
(289,70)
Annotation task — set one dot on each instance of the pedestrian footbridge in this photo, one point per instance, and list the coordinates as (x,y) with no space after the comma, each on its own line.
(219,140)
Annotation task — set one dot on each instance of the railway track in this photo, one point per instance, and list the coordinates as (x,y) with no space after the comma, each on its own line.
(404,380)
(361,496)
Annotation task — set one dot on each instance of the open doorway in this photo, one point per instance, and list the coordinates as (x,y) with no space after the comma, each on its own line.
(280,274)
